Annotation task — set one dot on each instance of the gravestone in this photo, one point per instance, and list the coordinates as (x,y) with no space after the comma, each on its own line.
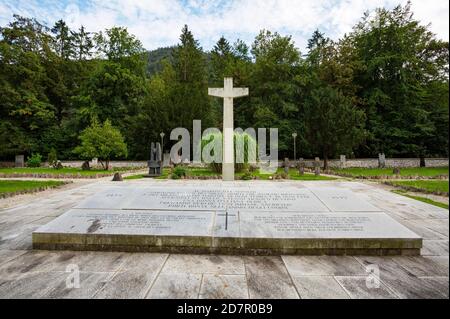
(317,166)
(301,166)
(342,161)
(286,165)
(381,160)
(155,162)
(238,220)
(20,161)
(228,93)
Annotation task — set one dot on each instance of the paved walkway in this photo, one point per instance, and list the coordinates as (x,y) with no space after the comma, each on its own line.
(25,273)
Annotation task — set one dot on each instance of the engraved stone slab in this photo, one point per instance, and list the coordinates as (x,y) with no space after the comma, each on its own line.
(262,199)
(110,198)
(322,225)
(128,222)
(343,200)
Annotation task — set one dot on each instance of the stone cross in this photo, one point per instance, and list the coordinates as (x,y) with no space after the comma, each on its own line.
(301,166)
(286,165)
(228,93)
(317,166)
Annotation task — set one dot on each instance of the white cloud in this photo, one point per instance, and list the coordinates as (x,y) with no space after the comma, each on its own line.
(158,22)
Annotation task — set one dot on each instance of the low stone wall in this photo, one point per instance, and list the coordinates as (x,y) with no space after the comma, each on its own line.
(373,163)
(112,164)
(333,163)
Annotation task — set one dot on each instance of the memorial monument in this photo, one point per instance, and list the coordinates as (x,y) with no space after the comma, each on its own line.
(155,162)
(258,220)
(228,93)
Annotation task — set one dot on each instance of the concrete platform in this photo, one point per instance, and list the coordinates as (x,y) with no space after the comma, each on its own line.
(229,219)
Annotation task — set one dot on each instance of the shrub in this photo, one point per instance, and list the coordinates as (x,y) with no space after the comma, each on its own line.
(52,158)
(249,150)
(178,172)
(34,160)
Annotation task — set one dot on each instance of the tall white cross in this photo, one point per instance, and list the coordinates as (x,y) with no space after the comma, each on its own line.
(228,93)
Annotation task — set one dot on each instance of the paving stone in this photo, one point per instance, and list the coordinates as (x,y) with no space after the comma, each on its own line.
(424,266)
(135,277)
(7,255)
(435,248)
(267,278)
(319,287)
(176,286)
(30,285)
(357,288)
(224,287)
(323,265)
(408,287)
(89,284)
(204,264)
(423,231)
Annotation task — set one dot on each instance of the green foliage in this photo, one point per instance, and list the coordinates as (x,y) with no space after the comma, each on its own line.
(52,158)
(103,142)
(178,172)
(246,150)
(34,160)
(381,88)
(20,186)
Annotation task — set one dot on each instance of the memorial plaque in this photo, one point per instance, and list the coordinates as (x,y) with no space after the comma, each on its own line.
(348,225)
(111,198)
(342,200)
(263,199)
(131,222)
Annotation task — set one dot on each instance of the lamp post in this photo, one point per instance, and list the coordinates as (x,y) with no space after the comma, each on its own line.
(294,135)
(162,141)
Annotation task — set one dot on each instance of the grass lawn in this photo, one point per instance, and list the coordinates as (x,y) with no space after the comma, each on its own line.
(426,186)
(165,175)
(405,172)
(197,172)
(11,186)
(422,199)
(52,171)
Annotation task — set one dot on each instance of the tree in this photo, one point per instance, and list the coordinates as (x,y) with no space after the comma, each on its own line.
(63,40)
(103,142)
(403,66)
(333,124)
(274,94)
(83,44)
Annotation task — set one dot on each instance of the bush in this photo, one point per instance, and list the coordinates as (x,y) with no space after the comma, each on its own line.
(35,160)
(178,172)
(52,158)
(249,151)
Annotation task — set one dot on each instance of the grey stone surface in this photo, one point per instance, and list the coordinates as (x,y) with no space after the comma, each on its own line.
(319,287)
(357,288)
(435,248)
(323,266)
(267,278)
(204,264)
(36,274)
(131,222)
(224,287)
(322,225)
(201,198)
(343,200)
(176,286)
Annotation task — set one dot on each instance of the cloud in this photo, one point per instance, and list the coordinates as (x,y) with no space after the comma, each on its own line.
(158,22)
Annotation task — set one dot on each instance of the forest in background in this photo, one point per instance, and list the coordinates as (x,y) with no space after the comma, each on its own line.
(381,88)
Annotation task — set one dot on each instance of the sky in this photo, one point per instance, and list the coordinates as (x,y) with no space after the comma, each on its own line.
(158,23)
